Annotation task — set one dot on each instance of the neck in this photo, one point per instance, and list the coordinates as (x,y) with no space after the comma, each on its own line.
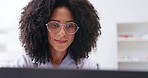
(57,57)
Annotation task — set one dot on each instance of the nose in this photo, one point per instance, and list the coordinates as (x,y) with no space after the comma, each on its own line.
(62,32)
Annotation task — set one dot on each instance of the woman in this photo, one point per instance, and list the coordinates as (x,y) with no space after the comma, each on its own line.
(58,34)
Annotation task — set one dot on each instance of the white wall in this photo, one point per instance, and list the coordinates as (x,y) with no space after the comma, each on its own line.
(112,12)
(9,34)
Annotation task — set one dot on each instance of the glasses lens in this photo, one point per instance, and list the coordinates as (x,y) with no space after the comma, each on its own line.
(53,26)
(71,27)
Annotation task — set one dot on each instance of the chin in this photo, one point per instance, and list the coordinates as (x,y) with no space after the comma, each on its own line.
(61,49)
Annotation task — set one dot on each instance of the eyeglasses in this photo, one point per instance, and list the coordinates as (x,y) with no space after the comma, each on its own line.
(55,27)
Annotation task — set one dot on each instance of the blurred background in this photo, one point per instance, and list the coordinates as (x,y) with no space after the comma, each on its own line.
(10,47)
(122,45)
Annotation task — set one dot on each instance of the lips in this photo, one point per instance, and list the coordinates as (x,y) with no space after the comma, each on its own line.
(61,41)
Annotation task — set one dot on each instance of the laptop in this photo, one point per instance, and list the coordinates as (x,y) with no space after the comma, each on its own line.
(61,73)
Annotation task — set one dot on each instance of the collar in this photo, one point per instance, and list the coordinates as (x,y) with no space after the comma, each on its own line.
(67,63)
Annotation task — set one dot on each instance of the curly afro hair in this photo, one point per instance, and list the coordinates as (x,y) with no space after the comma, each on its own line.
(34,34)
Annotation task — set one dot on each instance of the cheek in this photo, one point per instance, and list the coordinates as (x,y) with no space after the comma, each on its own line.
(50,37)
(71,38)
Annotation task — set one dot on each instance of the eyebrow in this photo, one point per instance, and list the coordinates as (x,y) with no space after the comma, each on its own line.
(66,21)
(71,21)
(55,20)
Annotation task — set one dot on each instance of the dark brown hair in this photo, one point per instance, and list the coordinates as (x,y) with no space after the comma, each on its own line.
(34,34)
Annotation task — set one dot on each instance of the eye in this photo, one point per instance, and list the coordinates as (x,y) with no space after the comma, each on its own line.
(70,25)
(53,25)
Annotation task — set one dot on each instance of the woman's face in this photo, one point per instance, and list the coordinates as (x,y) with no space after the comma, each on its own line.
(60,41)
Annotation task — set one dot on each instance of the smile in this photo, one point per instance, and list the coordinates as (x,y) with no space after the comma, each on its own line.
(61,41)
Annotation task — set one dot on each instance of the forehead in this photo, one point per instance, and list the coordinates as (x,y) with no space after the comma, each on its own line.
(61,14)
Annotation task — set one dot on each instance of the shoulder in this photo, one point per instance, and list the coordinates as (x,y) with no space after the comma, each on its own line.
(88,64)
(23,61)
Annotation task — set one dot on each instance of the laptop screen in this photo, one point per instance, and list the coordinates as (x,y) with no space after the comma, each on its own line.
(48,73)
